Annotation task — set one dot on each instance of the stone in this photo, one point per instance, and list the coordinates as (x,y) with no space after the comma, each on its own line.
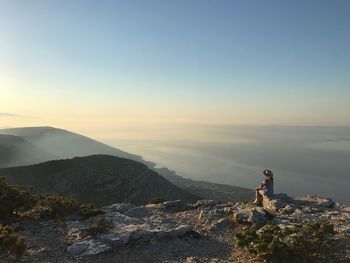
(88,248)
(314,201)
(120,220)
(175,232)
(116,239)
(209,215)
(275,202)
(143,234)
(256,216)
(138,212)
(120,208)
(96,248)
(229,210)
(222,224)
(78,247)
(288,209)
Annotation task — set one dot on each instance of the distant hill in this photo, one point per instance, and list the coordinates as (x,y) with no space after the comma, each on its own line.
(40,144)
(16,150)
(97,179)
(65,144)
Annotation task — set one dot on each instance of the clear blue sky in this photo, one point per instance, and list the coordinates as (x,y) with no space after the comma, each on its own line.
(230,61)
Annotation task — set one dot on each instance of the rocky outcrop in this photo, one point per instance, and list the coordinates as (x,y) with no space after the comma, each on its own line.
(285,204)
(173,231)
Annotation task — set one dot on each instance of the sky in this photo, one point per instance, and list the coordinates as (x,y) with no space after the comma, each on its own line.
(99,67)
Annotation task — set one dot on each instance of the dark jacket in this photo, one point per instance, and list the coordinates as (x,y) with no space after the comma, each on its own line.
(267,186)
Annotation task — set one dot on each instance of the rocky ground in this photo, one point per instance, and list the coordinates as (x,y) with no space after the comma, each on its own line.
(172,231)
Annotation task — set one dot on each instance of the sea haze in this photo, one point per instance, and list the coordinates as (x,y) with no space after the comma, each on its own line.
(305,160)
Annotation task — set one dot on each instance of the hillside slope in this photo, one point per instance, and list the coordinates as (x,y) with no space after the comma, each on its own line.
(97,179)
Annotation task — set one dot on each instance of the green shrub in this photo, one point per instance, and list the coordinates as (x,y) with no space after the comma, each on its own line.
(98,225)
(88,210)
(299,243)
(11,243)
(14,199)
(62,206)
(157,200)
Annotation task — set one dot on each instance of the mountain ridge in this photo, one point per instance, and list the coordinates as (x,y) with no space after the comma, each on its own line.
(97,179)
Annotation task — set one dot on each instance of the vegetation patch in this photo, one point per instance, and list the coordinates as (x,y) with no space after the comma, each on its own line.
(14,199)
(98,225)
(11,244)
(62,206)
(309,242)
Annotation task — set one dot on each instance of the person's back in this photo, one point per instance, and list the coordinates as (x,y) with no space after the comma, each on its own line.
(266,187)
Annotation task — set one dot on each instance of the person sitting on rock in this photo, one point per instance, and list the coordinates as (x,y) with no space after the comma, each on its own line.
(265,188)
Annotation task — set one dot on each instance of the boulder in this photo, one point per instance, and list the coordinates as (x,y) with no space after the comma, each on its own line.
(222,224)
(275,202)
(255,215)
(314,202)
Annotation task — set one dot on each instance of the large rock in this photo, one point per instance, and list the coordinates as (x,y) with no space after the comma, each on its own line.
(314,202)
(285,204)
(252,215)
(275,202)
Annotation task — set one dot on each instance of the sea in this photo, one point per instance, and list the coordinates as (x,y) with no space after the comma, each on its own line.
(305,160)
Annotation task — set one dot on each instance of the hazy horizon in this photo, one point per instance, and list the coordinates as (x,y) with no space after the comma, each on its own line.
(306,160)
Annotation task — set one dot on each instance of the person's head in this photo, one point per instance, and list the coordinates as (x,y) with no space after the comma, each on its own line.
(268,173)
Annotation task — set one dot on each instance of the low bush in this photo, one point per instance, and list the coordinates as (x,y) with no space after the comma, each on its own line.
(62,206)
(98,225)
(14,199)
(299,243)
(11,244)
(88,210)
